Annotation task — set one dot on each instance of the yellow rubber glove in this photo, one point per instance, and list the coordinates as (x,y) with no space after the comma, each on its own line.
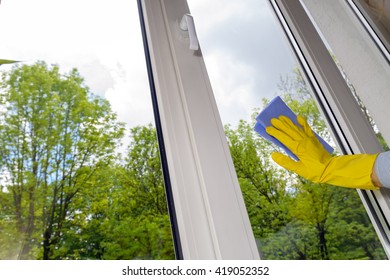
(315,163)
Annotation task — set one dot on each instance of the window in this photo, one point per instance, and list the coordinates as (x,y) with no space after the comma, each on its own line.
(80,167)
(66,196)
(291,218)
(212,217)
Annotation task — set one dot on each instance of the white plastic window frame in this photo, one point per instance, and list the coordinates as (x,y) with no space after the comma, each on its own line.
(210,212)
(349,126)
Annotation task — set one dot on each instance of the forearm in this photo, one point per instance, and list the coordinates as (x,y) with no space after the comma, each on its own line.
(375,179)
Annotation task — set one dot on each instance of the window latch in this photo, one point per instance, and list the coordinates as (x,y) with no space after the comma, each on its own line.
(187,24)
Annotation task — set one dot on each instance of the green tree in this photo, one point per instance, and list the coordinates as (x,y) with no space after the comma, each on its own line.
(132,220)
(55,135)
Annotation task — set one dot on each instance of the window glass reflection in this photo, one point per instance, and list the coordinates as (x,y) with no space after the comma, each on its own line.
(249,62)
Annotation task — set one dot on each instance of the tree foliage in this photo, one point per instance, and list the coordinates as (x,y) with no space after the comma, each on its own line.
(60,172)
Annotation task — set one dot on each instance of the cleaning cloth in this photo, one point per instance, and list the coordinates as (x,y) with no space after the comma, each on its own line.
(274,109)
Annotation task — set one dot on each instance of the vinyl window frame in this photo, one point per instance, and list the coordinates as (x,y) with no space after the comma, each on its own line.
(210,212)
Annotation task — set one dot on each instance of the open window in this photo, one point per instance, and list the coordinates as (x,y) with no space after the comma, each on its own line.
(221,196)
(223,181)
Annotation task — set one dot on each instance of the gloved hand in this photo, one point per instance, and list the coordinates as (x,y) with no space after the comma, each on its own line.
(315,163)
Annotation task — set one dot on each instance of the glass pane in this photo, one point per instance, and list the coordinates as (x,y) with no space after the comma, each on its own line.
(250,62)
(80,168)
(377,13)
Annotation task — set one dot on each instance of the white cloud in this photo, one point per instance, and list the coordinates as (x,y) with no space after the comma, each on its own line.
(233,84)
(100,38)
(129,96)
(211,13)
(245,52)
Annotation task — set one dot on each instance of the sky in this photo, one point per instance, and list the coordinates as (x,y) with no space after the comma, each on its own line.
(243,46)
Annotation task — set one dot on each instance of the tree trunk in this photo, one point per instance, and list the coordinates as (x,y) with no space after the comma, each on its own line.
(322,242)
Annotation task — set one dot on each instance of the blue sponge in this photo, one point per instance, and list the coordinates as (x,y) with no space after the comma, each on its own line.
(275,109)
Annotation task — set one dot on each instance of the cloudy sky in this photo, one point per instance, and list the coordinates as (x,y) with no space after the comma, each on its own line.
(243,46)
